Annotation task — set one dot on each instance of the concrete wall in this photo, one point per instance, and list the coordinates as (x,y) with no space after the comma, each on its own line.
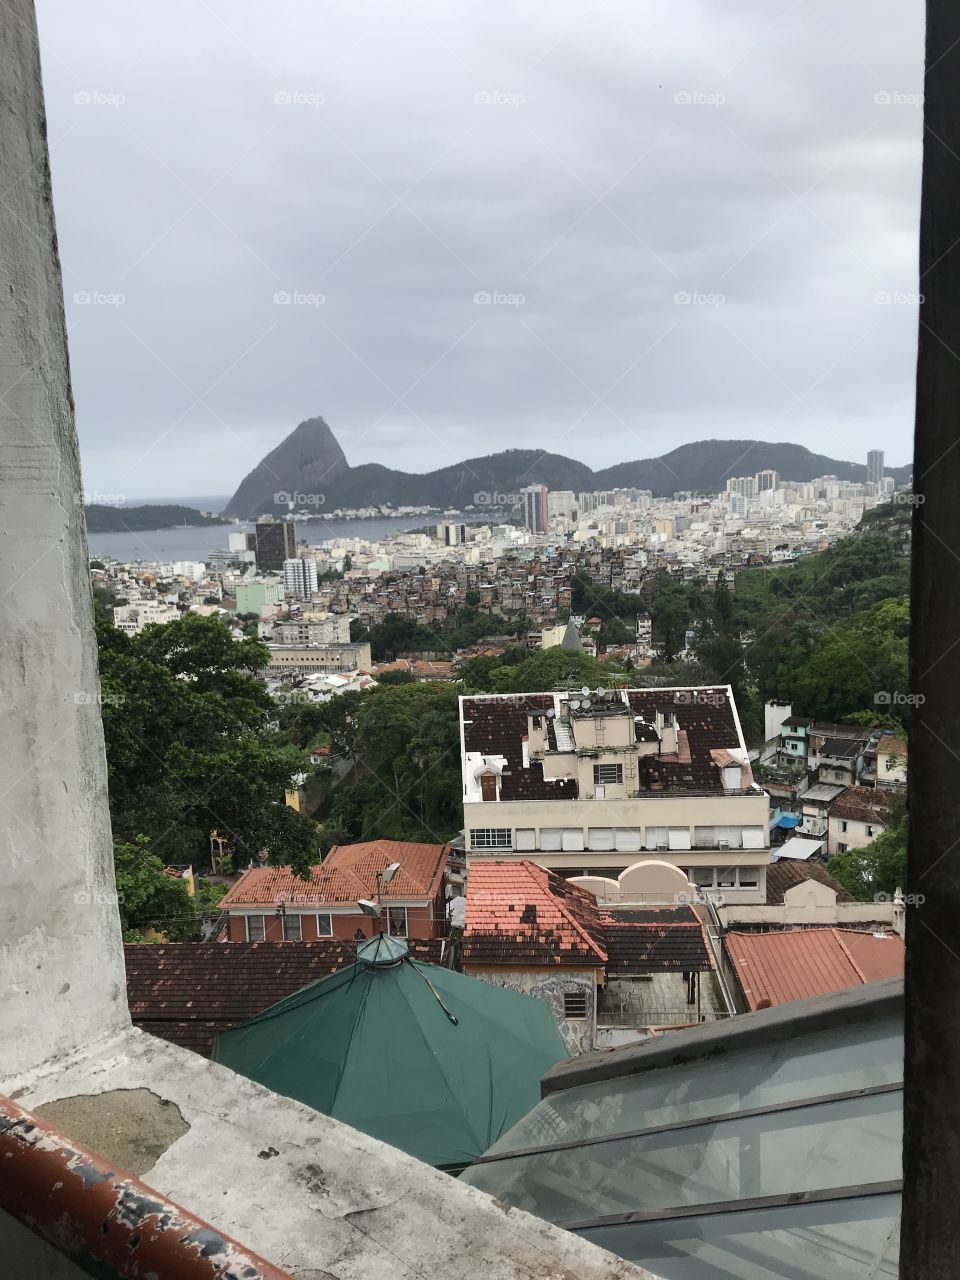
(856,835)
(659,999)
(61,965)
(579,1034)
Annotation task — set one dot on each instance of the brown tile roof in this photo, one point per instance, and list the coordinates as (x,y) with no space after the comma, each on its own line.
(890,746)
(787,873)
(347,873)
(778,967)
(498,727)
(862,804)
(188,992)
(705,720)
(519,913)
(655,940)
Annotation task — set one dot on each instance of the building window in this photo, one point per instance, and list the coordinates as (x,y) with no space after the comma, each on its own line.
(397,922)
(656,838)
(292,931)
(843,826)
(627,839)
(575,1004)
(491,838)
(608,774)
(601,838)
(256,928)
(324,925)
(551,838)
(526,838)
(572,838)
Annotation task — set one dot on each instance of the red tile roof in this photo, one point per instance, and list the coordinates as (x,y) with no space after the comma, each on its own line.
(188,992)
(521,914)
(782,966)
(347,873)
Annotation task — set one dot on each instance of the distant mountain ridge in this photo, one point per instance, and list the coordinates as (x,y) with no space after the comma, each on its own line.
(309,471)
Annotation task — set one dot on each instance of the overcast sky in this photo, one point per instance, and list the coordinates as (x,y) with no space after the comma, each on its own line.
(451,228)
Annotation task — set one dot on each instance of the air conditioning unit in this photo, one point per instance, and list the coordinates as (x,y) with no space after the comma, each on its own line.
(599,791)
(723,844)
(662,846)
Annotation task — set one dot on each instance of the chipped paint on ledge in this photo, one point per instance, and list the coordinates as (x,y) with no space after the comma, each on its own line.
(102,1217)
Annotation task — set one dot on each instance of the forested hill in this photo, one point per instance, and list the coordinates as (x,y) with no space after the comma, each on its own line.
(102,519)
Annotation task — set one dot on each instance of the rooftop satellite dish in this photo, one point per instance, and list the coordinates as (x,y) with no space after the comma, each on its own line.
(585,691)
(389,872)
(551,713)
(585,704)
(601,692)
(574,703)
(369,908)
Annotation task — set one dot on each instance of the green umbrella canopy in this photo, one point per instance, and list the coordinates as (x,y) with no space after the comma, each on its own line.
(428,1060)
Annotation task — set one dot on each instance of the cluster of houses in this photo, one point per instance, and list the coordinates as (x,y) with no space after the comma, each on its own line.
(619,862)
(830,785)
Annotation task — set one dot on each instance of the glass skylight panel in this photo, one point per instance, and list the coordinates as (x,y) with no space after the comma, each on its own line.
(780,1159)
(850,1239)
(831,1145)
(835,1061)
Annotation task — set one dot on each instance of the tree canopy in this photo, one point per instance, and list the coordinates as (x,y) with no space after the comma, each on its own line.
(189,745)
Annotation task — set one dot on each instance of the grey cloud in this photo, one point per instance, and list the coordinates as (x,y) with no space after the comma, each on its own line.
(783,184)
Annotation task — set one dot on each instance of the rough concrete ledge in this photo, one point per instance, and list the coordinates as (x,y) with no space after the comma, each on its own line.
(310,1194)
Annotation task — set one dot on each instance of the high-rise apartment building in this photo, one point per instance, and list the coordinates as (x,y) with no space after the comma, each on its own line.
(561,503)
(300,577)
(875,467)
(767,480)
(534,499)
(451,535)
(276,541)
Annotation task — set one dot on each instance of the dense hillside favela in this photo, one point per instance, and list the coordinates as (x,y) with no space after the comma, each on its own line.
(344,659)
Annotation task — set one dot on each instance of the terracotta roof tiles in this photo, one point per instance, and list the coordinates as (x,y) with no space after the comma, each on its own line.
(519,913)
(778,967)
(347,873)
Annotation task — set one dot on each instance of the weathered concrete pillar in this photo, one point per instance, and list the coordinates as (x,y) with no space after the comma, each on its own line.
(931,1237)
(61,963)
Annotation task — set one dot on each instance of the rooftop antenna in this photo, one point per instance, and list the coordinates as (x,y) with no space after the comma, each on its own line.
(374,909)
